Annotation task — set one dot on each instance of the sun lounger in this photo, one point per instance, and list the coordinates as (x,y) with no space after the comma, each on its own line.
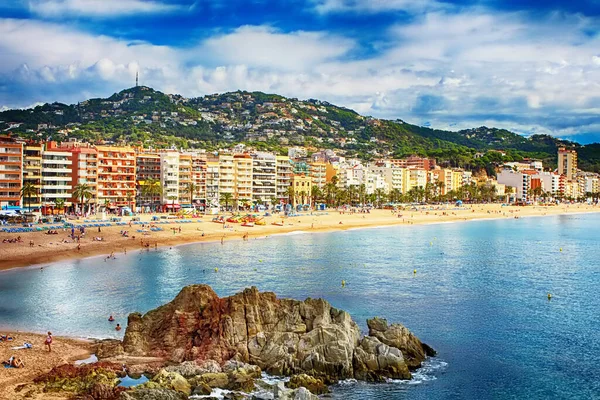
(25,346)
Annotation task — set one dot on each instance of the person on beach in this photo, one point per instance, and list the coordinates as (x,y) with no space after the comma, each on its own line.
(48,341)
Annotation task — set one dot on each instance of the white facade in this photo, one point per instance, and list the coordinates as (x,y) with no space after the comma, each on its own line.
(264,177)
(169,177)
(517,180)
(56,176)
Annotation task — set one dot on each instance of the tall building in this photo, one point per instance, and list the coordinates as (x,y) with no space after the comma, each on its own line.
(284,177)
(242,192)
(212,184)
(318,173)
(567,163)
(186,197)
(32,173)
(226,175)
(11,171)
(199,172)
(169,179)
(264,177)
(147,167)
(84,166)
(413,162)
(116,176)
(56,176)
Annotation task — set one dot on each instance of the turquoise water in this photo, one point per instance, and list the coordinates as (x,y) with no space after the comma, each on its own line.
(479,297)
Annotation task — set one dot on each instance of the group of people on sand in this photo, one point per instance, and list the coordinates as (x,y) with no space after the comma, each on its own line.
(17,362)
(17,240)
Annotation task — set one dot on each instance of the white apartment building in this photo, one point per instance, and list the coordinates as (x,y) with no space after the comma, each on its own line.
(56,176)
(284,173)
(264,177)
(519,181)
(212,184)
(169,179)
(243,166)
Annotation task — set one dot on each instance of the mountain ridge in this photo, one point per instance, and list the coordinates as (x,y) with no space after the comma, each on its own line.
(147,117)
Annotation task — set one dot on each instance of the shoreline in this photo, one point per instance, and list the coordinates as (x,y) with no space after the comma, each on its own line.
(24,256)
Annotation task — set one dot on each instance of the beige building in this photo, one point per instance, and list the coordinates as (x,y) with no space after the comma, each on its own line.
(567,163)
(302,186)
(116,176)
(32,172)
(284,173)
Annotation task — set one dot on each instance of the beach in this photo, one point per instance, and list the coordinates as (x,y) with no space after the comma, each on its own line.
(37,361)
(38,248)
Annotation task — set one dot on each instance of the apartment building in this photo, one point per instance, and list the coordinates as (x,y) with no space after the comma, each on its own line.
(169,179)
(116,176)
(302,186)
(284,173)
(186,190)
(264,177)
(11,172)
(318,173)
(32,173)
(199,175)
(212,183)
(84,165)
(567,163)
(226,175)
(57,175)
(147,167)
(243,182)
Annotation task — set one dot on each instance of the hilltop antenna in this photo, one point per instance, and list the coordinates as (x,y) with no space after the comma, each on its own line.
(136,78)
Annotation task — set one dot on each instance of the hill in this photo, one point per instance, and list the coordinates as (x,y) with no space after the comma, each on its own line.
(146,117)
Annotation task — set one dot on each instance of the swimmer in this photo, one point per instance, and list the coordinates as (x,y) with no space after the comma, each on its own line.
(118,327)
(111,319)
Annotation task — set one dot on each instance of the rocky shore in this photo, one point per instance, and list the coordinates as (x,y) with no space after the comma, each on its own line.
(199,342)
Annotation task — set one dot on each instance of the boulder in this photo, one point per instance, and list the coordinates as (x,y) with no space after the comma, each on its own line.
(202,389)
(188,369)
(214,380)
(281,336)
(109,348)
(304,394)
(375,361)
(152,394)
(169,380)
(398,336)
(314,385)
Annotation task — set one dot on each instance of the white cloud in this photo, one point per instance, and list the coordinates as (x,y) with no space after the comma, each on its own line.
(97,8)
(376,6)
(265,47)
(452,69)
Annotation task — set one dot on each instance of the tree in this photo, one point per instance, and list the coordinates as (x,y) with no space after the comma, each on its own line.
(226,199)
(190,189)
(362,192)
(290,194)
(330,192)
(27,192)
(152,188)
(172,198)
(379,197)
(316,194)
(81,192)
(106,204)
(59,204)
(129,198)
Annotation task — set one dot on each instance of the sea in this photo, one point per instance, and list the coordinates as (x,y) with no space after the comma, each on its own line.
(475,291)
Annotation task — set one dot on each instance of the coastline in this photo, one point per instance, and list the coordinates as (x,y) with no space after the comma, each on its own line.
(49,249)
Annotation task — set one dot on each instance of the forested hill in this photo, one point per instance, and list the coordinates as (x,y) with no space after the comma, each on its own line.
(144,116)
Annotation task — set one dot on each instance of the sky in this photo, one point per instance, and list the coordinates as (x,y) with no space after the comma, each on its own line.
(528,66)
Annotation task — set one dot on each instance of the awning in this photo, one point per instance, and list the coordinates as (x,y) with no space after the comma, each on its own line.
(173,206)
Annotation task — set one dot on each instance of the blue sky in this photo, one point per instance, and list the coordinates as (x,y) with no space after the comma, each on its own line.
(528,66)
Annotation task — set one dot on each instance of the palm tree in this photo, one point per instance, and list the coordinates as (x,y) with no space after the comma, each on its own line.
(362,192)
(106,204)
(81,192)
(152,188)
(27,192)
(379,196)
(191,188)
(59,204)
(172,198)
(290,194)
(226,198)
(330,191)
(315,193)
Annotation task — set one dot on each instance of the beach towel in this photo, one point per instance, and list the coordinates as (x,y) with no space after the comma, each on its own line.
(25,346)
(8,366)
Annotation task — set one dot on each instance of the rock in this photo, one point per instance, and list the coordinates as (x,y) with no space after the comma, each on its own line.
(281,336)
(280,391)
(109,348)
(82,379)
(285,337)
(396,335)
(202,389)
(152,394)
(375,361)
(214,380)
(234,396)
(314,385)
(170,380)
(188,369)
(304,394)
(101,391)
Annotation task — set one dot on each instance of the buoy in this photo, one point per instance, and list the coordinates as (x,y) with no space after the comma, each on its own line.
(549,296)
(431,243)
(260,260)
(414,271)
(216,269)
(343,283)
(561,249)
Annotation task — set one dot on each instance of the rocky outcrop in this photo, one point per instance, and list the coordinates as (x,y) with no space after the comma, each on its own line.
(314,385)
(398,336)
(152,394)
(280,336)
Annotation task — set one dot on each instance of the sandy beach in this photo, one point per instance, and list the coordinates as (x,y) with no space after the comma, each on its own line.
(37,360)
(46,248)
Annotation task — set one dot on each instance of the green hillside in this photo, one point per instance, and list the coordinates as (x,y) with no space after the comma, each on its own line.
(145,117)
